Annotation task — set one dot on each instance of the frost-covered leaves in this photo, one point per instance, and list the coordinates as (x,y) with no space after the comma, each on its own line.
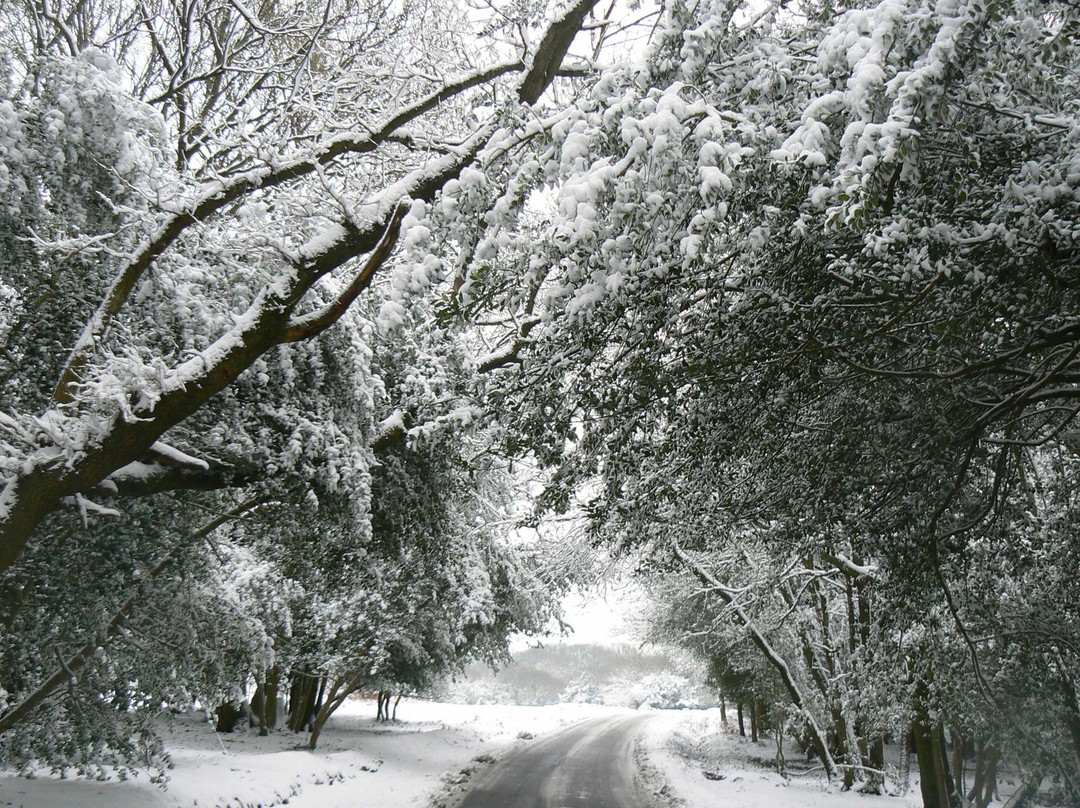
(72,155)
(812,276)
(150,617)
(245,243)
(849,232)
(433,582)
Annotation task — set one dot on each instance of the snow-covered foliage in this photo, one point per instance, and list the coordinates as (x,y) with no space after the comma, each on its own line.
(794,298)
(804,280)
(194,413)
(73,154)
(256,159)
(437,584)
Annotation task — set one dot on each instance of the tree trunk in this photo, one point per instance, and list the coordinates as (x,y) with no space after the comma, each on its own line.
(990,785)
(258,709)
(380,710)
(341,689)
(875,761)
(778,736)
(924,755)
(941,766)
(264,703)
(317,726)
(742,728)
(849,597)
(302,700)
(1072,714)
(931,763)
(990,779)
(877,753)
(778,663)
(978,774)
(753,721)
(959,765)
(844,750)
(934,779)
(273,679)
(318,702)
(984,779)
(841,749)
(905,763)
(397,701)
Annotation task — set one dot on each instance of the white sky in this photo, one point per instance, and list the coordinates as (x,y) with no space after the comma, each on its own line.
(607,616)
(599,617)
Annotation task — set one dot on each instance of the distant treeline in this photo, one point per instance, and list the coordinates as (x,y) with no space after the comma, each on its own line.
(617,675)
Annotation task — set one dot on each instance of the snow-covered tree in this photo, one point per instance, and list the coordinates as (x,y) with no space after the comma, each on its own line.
(246,248)
(809,272)
(196,195)
(436,583)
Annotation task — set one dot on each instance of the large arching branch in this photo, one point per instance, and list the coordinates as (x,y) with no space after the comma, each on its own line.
(52,472)
(227,193)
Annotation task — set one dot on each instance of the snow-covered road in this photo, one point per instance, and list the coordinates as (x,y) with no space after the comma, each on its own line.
(688,758)
(589,765)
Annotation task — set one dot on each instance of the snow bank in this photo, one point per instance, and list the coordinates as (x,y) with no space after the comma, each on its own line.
(709,766)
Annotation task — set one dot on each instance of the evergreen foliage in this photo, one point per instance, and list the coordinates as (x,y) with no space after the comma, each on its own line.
(792,300)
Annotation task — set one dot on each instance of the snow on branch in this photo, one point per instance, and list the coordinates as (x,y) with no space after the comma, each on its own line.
(309,325)
(771,654)
(141,478)
(225,192)
(120,426)
(849,567)
(174,455)
(511,354)
(553,47)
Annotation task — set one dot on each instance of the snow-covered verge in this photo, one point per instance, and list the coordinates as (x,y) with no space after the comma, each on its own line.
(697,762)
(432,755)
(359,762)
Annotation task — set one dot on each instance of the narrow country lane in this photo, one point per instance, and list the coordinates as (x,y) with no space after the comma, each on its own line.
(591,764)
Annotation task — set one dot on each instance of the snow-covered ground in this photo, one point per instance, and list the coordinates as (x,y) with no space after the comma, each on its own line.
(688,758)
(708,766)
(359,763)
(700,763)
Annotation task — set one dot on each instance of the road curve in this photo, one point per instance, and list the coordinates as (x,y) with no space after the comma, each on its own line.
(591,764)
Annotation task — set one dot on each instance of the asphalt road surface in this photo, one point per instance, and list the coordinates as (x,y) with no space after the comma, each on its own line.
(590,765)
